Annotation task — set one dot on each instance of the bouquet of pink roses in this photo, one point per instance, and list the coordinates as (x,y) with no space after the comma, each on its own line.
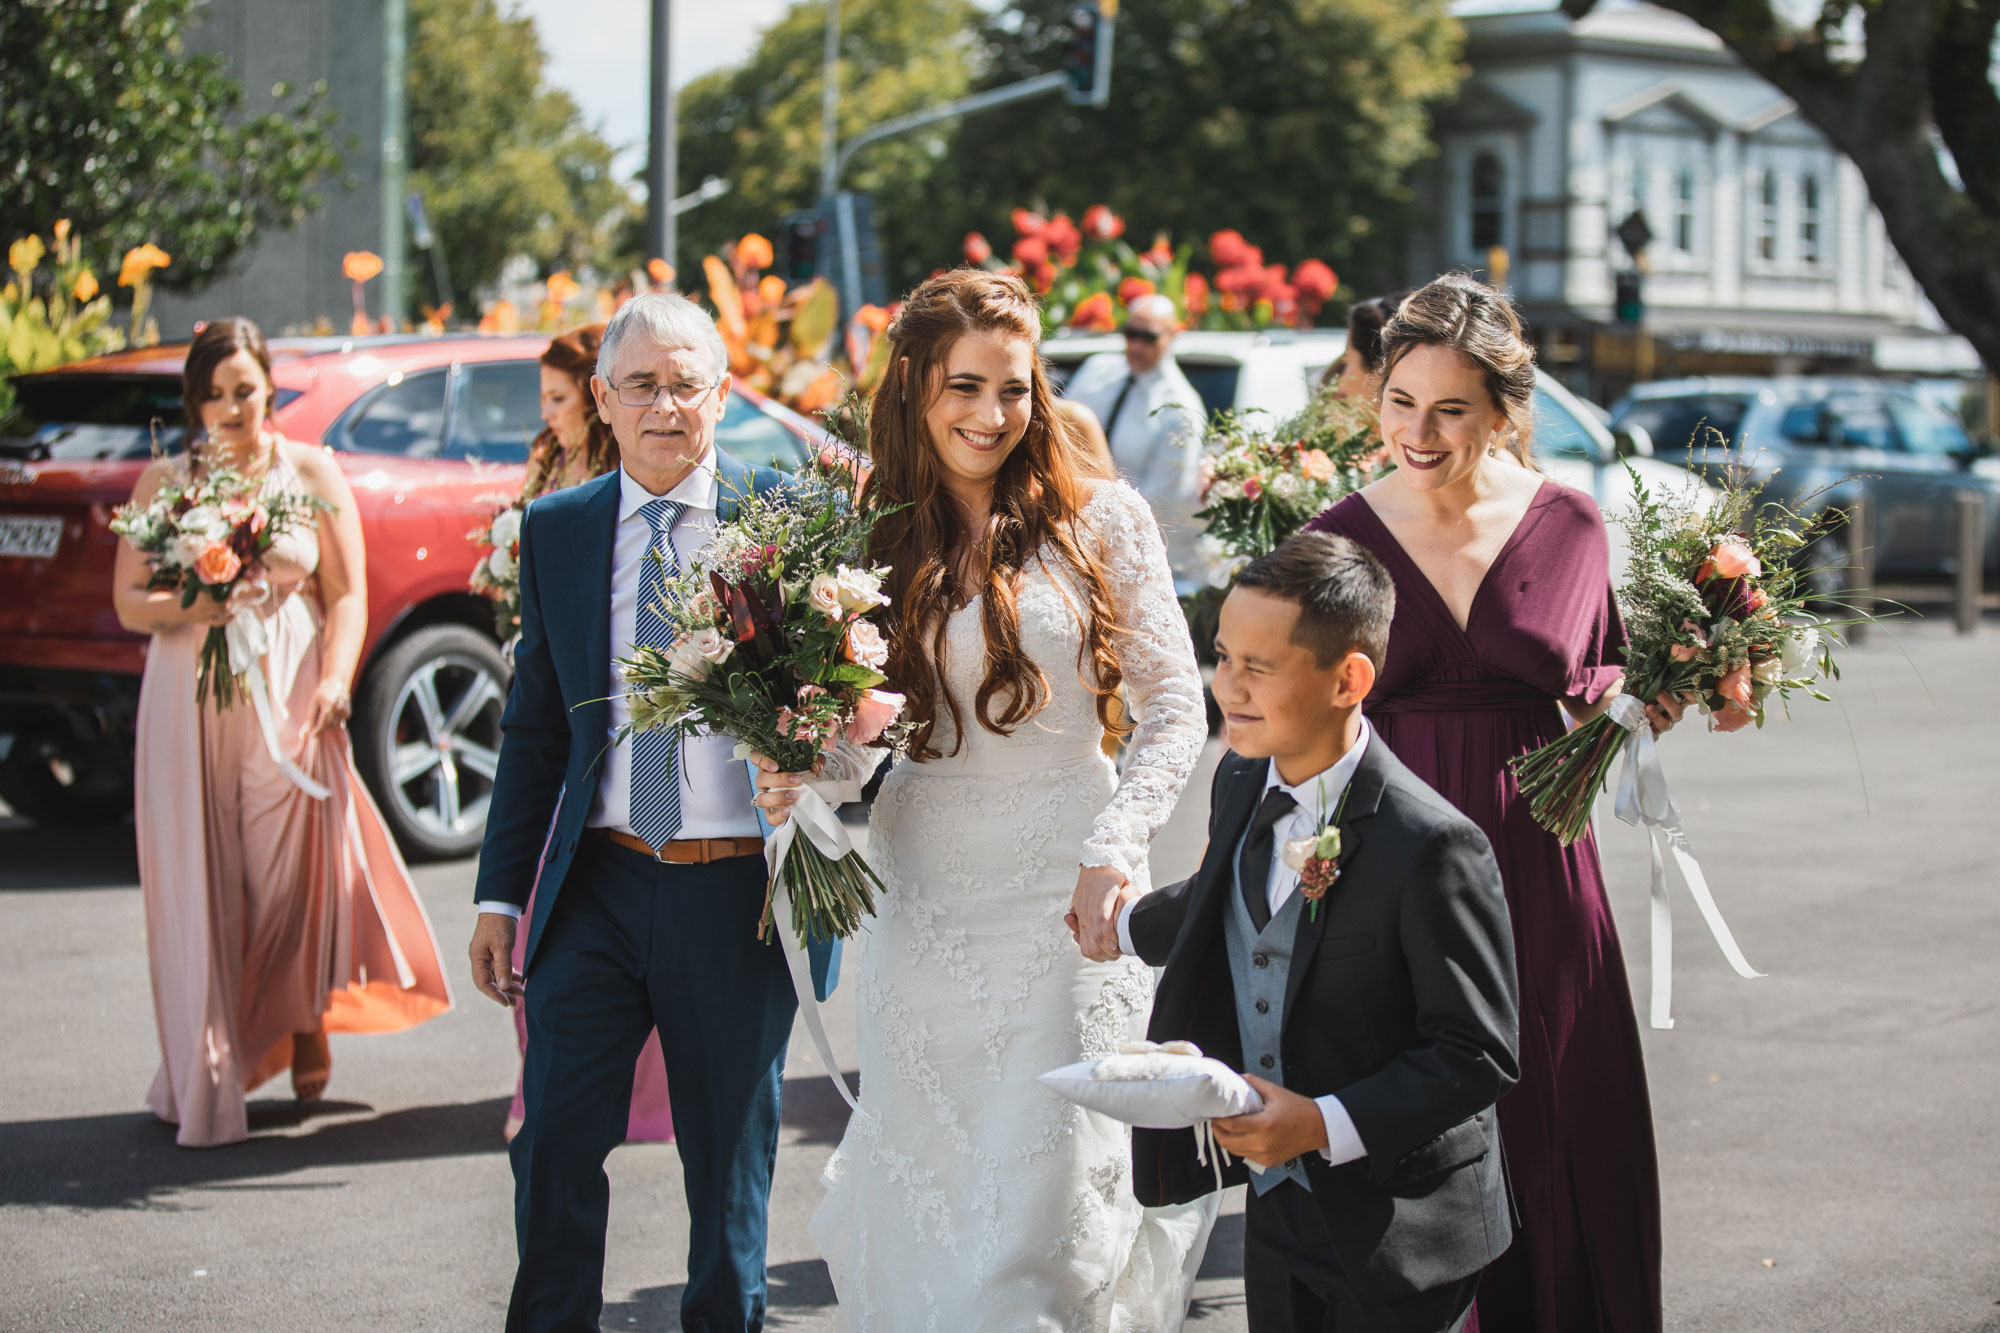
(774,644)
(203,536)
(497,576)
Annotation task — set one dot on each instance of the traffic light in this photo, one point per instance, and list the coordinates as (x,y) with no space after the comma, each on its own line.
(808,247)
(1628,301)
(1087,55)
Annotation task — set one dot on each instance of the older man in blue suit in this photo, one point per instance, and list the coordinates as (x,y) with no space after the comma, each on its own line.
(649,856)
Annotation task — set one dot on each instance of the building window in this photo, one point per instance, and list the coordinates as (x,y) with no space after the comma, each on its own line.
(1809,220)
(1489,181)
(1684,210)
(1767,216)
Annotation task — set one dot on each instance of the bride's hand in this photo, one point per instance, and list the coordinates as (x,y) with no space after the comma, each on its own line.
(777,790)
(1100,894)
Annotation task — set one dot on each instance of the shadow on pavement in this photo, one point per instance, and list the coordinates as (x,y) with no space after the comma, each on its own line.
(1225,1248)
(33,858)
(130,1161)
(800,1285)
(811,1105)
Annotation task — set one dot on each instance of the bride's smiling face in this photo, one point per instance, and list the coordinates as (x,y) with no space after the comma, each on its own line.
(982,408)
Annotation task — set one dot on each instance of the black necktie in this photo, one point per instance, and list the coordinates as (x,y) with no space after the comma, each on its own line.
(1255,871)
(1117,406)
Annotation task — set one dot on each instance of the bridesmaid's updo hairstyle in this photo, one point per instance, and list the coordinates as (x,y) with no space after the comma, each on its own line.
(217,341)
(574,353)
(1345,596)
(1460,312)
(1038,500)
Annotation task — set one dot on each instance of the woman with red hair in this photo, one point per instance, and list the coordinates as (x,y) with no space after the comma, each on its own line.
(1025,592)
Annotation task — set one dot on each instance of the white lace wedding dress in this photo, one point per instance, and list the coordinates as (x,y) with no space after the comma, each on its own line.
(966,1196)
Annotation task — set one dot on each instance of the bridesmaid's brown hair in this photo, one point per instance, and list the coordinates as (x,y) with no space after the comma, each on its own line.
(573,353)
(217,341)
(1460,312)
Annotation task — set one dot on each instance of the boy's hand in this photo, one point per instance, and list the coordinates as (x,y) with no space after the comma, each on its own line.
(1287,1126)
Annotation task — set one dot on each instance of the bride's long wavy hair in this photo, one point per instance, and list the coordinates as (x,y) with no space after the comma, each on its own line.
(1038,500)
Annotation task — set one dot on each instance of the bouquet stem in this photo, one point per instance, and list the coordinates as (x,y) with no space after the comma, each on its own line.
(1561,780)
(213,671)
(829,897)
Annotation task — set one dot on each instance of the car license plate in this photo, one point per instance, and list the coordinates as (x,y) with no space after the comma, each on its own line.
(34,537)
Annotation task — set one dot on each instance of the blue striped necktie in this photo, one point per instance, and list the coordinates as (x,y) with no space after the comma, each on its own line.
(655,813)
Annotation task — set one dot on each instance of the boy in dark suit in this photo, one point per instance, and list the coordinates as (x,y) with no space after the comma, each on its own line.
(1345,943)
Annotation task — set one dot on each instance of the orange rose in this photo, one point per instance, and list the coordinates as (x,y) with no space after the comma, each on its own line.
(217,563)
(754,251)
(1731,559)
(1732,718)
(1683,652)
(1735,686)
(360,265)
(1316,465)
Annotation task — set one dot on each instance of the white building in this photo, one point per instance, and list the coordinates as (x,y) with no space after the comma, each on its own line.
(1766,253)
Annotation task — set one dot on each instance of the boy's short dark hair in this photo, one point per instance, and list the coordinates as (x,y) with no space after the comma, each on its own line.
(1344,595)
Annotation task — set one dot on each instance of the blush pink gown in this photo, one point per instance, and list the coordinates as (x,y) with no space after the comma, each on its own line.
(268,913)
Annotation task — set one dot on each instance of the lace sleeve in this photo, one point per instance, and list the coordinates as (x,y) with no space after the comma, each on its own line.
(1162,684)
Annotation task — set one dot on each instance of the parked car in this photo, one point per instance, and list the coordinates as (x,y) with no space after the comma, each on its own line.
(426,429)
(1820,441)
(1277,372)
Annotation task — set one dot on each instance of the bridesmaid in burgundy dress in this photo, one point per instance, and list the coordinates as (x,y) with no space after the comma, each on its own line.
(1503,610)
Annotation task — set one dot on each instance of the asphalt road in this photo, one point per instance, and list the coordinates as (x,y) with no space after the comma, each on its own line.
(1827,1133)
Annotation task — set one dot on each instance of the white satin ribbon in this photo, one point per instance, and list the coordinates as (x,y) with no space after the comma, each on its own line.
(813,814)
(248,643)
(1643,798)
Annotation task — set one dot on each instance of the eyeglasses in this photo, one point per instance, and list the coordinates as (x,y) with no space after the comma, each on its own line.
(1139,335)
(644,393)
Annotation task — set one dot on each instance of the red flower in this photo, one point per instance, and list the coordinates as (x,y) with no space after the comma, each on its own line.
(977,249)
(1132,289)
(1161,255)
(1063,237)
(1031,251)
(1195,291)
(1029,224)
(1094,313)
(1315,281)
(1101,224)
(1227,248)
(1244,281)
(1044,277)
(1253,487)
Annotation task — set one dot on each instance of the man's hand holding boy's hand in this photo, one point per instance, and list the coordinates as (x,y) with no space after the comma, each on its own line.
(1287,1126)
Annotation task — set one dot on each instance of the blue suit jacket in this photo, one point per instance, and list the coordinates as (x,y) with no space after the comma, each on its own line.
(557,717)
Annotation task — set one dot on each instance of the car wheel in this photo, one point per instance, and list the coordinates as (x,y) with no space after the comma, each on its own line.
(427,737)
(59,786)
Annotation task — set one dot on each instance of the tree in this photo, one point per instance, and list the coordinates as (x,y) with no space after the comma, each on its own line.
(1293,121)
(1905,89)
(758,125)
(107,121)
(505,164)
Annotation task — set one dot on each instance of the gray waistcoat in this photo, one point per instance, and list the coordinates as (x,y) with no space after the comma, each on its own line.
(1259,965)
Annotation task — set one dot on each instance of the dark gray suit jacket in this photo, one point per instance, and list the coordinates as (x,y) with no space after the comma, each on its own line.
(1401,1002)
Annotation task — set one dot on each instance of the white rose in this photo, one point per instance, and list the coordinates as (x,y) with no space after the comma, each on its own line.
(204,521)
(686,659)
(860,590)
(507,528)
(500,565)
(1228,488)
(865,645)
(1224,573)
(1799,651)
(824,595)
(1287,486)
(711,646)
(1298,851)
(1766,671)
(185,549)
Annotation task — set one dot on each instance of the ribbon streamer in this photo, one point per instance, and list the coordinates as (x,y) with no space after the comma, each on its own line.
(1643,798)
(248,643)
(814,815)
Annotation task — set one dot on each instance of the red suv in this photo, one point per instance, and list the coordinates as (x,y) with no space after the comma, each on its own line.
(424,428)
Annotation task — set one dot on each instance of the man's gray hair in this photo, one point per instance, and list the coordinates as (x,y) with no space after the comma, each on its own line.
(1159,306)
(667,320)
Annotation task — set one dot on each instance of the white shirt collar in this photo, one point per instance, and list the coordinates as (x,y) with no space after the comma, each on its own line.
(1332,781)
(697,490)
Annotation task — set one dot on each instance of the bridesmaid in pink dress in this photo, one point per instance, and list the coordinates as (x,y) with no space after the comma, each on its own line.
(575,446)
(272,918)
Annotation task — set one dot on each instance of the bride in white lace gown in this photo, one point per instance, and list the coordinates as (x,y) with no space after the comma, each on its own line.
(966,1196)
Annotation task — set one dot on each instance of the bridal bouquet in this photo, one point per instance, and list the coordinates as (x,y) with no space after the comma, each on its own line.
(1715,611)
(775,644)
(202,536)
(497,576)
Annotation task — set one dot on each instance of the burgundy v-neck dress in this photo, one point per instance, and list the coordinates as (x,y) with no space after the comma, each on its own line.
(1455,705)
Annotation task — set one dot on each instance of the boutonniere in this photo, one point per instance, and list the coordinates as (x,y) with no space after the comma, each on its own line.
(1316,858)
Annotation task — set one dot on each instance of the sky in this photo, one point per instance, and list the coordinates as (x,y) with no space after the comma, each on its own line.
(598,54)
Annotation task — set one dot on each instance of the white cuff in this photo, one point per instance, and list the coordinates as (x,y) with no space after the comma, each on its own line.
(1125,929)
(500,909)
(1343,1142)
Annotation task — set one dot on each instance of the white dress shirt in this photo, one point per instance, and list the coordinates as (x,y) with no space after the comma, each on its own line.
(1156,440)
(1318,797)
(715,788)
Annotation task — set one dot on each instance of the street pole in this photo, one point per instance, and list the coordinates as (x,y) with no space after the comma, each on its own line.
(395,62)
(829,104)
(663,156)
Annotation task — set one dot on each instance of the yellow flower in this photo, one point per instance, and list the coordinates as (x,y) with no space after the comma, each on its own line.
(24,254)
(360,265)
(139,261)
(86,287)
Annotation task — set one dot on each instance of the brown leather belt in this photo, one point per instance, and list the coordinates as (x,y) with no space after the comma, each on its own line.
(687,851)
